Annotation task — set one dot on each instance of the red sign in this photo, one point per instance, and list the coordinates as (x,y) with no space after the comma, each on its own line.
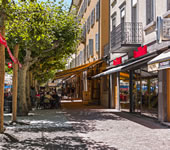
(117,61)
(141,51)
(10,65)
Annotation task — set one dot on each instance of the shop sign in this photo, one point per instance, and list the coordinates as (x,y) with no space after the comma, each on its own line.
(124,58)
(141,51)
(164,65)
(153,67)
(117,61)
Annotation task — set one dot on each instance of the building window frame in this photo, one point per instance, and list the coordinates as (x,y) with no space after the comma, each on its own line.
(92,17)
(97,42)
(98,11)
(150,11)
(168,5)
(91,46)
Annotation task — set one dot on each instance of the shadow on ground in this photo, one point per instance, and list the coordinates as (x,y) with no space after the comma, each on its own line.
(148,122)
(85,121)
(58,143)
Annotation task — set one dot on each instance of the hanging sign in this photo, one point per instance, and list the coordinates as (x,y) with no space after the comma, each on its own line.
(10,65)
(164,65)
(141,51)
(3,42)
(117,61)
(153,67)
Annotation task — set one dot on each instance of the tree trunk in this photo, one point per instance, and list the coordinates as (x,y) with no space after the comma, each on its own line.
(28,85)
(22,107)
(15,85)
(2,77)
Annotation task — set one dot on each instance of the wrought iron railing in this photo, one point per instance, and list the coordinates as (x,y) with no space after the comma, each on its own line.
(106,50)
(127,33)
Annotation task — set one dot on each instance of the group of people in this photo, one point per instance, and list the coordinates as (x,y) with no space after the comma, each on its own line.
(45,99)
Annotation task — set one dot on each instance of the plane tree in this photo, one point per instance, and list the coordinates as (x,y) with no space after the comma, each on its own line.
(44,31)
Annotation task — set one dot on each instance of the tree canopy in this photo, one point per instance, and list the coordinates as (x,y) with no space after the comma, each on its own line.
(46,31)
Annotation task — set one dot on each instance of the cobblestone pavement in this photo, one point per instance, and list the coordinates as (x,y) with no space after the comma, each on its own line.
(78,127)
(122,131)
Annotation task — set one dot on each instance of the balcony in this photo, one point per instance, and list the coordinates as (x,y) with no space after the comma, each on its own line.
(126,36)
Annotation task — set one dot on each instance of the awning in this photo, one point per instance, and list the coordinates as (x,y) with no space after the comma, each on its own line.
(127,66)
(113,70)
(165,56)
(76,70)
(160,62)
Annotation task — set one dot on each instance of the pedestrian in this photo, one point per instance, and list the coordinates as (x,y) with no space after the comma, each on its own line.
(33,96)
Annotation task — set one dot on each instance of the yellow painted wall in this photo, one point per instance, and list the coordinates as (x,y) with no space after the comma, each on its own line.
(93,30)
(104,23)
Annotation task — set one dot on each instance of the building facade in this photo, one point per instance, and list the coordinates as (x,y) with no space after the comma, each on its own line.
(94,17)
(137,31)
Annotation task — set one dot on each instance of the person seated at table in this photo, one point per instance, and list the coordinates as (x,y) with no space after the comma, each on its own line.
(47,100)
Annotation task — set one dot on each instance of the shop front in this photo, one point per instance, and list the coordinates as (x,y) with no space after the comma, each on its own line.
(132,87)
(161,64)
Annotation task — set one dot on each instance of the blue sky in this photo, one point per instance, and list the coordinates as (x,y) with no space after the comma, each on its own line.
(68,2)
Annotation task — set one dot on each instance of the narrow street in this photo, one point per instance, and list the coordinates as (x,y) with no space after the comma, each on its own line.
(78,127)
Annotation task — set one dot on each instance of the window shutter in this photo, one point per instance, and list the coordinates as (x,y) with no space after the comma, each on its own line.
(168,4)
(88,24)
(149,11)
(91,47)
(85,55)
(78,60)
(87,51)
(80,57)
(85,5)
(97,42)
(89,2)
(92,17)
(84,32)
(97,11)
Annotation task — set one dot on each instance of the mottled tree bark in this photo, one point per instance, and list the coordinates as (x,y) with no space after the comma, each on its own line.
(15,85)
(2,78)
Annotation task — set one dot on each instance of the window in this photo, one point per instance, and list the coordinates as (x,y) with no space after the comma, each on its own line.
(149,11)
(168,4)
(91,47)
(87,51)
(88,24)
(89,2)
(97,42)
(97,11)
(114,3)
(113,22)
(92,17)
(85,55)
(81,58)
(84,32)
